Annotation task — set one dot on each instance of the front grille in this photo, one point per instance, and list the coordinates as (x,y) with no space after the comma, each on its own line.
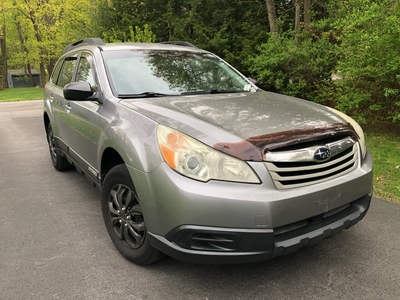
(297,167)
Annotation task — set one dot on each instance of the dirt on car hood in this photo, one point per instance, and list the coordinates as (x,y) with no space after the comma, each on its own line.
(236,122)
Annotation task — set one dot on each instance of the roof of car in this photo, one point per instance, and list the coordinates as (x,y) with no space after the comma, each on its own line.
(90,43)
(149,46)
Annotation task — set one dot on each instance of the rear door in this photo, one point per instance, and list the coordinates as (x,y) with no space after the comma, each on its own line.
(63,74)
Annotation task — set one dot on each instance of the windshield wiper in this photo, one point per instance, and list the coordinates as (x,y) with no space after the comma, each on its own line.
(221,91)
(213,91)
(195,92)
(145,95)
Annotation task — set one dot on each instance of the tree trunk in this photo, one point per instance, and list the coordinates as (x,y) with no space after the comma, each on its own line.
(31,81)
(273,25)
(297,7)
(307,14)
(43,78)
(50,65)
(3,65)
(42,50)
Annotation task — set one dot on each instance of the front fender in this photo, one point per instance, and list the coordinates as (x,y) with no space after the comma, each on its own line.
(133,136)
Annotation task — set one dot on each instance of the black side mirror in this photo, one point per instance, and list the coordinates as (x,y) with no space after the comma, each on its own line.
(78,91)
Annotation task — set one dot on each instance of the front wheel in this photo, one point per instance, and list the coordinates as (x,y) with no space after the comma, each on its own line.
(124,219)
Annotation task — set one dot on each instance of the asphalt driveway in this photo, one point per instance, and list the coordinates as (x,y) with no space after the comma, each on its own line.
(53,244)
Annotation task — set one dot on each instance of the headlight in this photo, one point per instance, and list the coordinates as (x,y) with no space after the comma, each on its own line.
(196,160)
(357,128)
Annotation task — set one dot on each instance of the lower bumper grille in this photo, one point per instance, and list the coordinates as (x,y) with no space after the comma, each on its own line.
(213,242)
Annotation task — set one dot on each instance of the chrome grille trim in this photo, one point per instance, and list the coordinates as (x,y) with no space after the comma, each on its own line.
(272,167)
(307,154)
(276,176)
(286,172)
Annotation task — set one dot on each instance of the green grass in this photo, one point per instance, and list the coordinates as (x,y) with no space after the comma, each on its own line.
(385,149)
(21,94)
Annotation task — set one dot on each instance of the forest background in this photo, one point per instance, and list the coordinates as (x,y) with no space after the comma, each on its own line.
(340,53)
(345,54)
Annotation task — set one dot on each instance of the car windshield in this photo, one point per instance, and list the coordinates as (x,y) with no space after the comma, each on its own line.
(161,73)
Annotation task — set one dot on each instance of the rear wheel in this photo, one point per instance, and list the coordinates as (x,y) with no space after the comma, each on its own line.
(60,163)
(124,218)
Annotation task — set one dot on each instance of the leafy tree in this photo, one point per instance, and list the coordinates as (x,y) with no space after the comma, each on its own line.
(299,68)
(144,35)
(117,20)
(301,59)
(44,27)
(230,28)
(4,15)
(297,50)
(369,62)
(354,42)
(3,61)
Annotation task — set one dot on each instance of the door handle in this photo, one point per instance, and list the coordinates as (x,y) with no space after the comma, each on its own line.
(51,98)
(68,107)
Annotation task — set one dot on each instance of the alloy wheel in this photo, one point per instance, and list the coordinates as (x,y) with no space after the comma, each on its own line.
(126,216)
(52,145)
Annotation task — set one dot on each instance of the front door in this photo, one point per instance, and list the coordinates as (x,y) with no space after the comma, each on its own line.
(84,133)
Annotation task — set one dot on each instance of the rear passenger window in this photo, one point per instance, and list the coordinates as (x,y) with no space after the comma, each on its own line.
(67,71)
(56,72)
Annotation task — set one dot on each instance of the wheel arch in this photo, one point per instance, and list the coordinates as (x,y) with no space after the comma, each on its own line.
(46,120)
(109,159)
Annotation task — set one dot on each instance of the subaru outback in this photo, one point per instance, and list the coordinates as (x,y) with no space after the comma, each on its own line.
(194,161)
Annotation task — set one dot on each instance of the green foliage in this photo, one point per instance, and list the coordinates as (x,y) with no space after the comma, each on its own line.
(144,35)
(369,59)
(37,31)
(301,67)
(231,29)
(356,42)
(122,21)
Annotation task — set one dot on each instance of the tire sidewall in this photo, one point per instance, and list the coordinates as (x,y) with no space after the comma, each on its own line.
(56,162)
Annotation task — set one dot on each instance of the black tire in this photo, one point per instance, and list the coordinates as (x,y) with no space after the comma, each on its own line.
(124,219)
(60,163)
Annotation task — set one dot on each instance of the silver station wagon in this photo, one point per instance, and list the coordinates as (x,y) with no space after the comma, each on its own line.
(194,161)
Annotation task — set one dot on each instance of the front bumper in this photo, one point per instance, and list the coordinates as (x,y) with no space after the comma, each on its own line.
(170,200)
(203,244)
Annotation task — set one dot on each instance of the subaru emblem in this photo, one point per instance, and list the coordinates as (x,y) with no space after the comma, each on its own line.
(322,153)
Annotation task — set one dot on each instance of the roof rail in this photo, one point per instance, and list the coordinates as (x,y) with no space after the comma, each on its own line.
(86,41)
(180,43)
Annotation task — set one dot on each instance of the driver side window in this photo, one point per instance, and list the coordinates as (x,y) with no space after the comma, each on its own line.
(67,71)
(85,72)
